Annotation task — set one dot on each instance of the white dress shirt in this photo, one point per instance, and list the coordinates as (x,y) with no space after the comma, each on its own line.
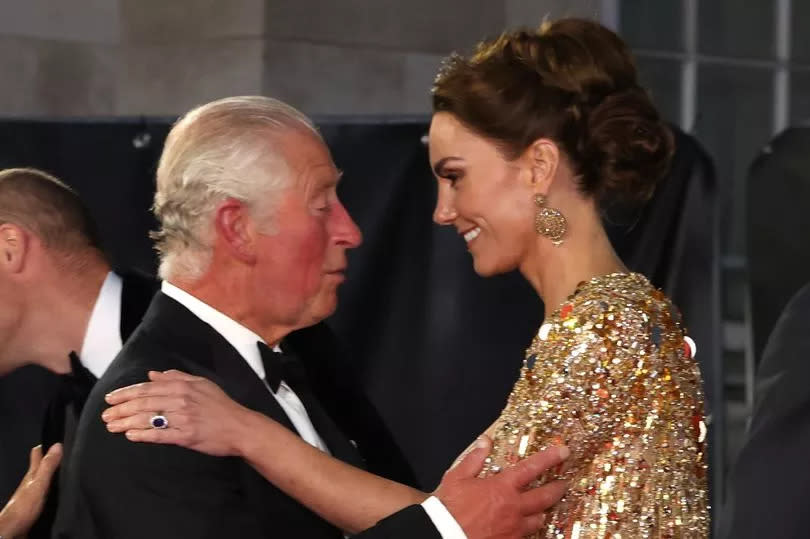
(102,339)
(244,341)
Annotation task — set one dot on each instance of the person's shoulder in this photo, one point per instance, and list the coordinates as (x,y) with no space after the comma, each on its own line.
(140,354)
(800,302)
(789,341)
(628,318)
(623,301)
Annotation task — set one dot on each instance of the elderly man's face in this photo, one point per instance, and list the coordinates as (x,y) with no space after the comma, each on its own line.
(307,252)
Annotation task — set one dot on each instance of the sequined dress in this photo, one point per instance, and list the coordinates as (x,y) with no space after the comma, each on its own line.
(611,375)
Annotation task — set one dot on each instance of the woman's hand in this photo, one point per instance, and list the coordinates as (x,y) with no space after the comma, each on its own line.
(24,507)
(200,415)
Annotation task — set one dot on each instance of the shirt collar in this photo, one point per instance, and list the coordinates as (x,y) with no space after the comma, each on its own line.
(240,337)
(102,340)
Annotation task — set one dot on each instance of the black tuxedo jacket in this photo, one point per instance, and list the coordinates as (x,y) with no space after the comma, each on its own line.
(136,293)
(119,489)
(770,482)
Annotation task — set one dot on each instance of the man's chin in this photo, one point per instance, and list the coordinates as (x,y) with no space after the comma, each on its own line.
(324,308)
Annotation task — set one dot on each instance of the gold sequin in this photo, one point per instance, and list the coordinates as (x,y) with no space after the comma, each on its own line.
(608,375)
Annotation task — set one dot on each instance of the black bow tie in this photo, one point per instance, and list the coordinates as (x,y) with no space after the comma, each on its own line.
(74,388)
(78,382)
(280,366)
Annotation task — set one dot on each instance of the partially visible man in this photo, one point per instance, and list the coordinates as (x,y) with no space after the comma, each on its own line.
(253,245)
(64,309)
(770,480)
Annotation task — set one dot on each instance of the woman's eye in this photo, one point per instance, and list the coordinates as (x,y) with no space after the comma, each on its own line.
(453,177)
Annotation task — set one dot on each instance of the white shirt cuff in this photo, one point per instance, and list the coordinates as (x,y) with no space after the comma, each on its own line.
(442,519)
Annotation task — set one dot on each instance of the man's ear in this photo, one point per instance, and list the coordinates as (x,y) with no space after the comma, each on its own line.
(236,229)
(15,244)
(543,158)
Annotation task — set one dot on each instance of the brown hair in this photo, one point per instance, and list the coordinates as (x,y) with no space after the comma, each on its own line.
(39,202)
(573,81)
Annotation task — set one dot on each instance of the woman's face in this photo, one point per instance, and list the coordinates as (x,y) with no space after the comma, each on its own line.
(488,199)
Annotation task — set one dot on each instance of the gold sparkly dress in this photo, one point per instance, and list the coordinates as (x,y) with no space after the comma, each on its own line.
(611,375)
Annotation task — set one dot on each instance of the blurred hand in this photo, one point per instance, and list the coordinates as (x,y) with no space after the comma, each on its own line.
(200,415)
(24,507)
(500,506)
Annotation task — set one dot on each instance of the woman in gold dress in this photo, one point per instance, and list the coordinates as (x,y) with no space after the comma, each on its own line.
(532,137)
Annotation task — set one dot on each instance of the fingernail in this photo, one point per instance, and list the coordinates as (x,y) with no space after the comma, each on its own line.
(564,452)
(480,443)
(105,415)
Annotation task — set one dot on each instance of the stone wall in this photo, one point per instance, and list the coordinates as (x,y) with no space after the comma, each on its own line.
(91,58)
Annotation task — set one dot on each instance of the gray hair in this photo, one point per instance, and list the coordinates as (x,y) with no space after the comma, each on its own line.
(223,149)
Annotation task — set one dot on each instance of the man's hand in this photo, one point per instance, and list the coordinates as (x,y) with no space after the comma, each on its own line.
(24,507)
(500,506)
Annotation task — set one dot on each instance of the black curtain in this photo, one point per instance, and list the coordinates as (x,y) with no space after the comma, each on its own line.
(437,348)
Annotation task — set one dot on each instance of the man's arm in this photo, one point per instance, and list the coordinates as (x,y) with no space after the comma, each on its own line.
(769,477)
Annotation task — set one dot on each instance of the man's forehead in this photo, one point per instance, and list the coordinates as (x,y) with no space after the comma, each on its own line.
(306,149)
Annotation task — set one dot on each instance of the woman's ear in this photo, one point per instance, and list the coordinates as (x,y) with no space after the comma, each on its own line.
(543,158)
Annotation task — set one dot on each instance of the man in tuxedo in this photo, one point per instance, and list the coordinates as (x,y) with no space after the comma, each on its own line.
(67,311)
(770,479)
(252,243)
(64,309)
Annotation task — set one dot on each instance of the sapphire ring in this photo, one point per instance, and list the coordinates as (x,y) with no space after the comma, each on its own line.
(159,422)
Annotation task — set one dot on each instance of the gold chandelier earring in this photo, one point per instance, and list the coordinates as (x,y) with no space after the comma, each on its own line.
(549,222)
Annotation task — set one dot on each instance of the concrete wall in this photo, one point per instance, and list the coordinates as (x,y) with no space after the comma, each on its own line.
(158,57)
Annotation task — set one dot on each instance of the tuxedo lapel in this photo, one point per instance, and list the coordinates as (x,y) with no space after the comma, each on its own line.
(137,292)
(337,442)
(176,328)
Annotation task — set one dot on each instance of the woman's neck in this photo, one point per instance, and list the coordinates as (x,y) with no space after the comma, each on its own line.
(555,271)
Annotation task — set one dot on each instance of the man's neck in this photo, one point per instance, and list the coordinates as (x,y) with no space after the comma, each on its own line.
(58,315)
(227,297)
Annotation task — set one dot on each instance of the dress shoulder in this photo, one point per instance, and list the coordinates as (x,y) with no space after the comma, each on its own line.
(611,375)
